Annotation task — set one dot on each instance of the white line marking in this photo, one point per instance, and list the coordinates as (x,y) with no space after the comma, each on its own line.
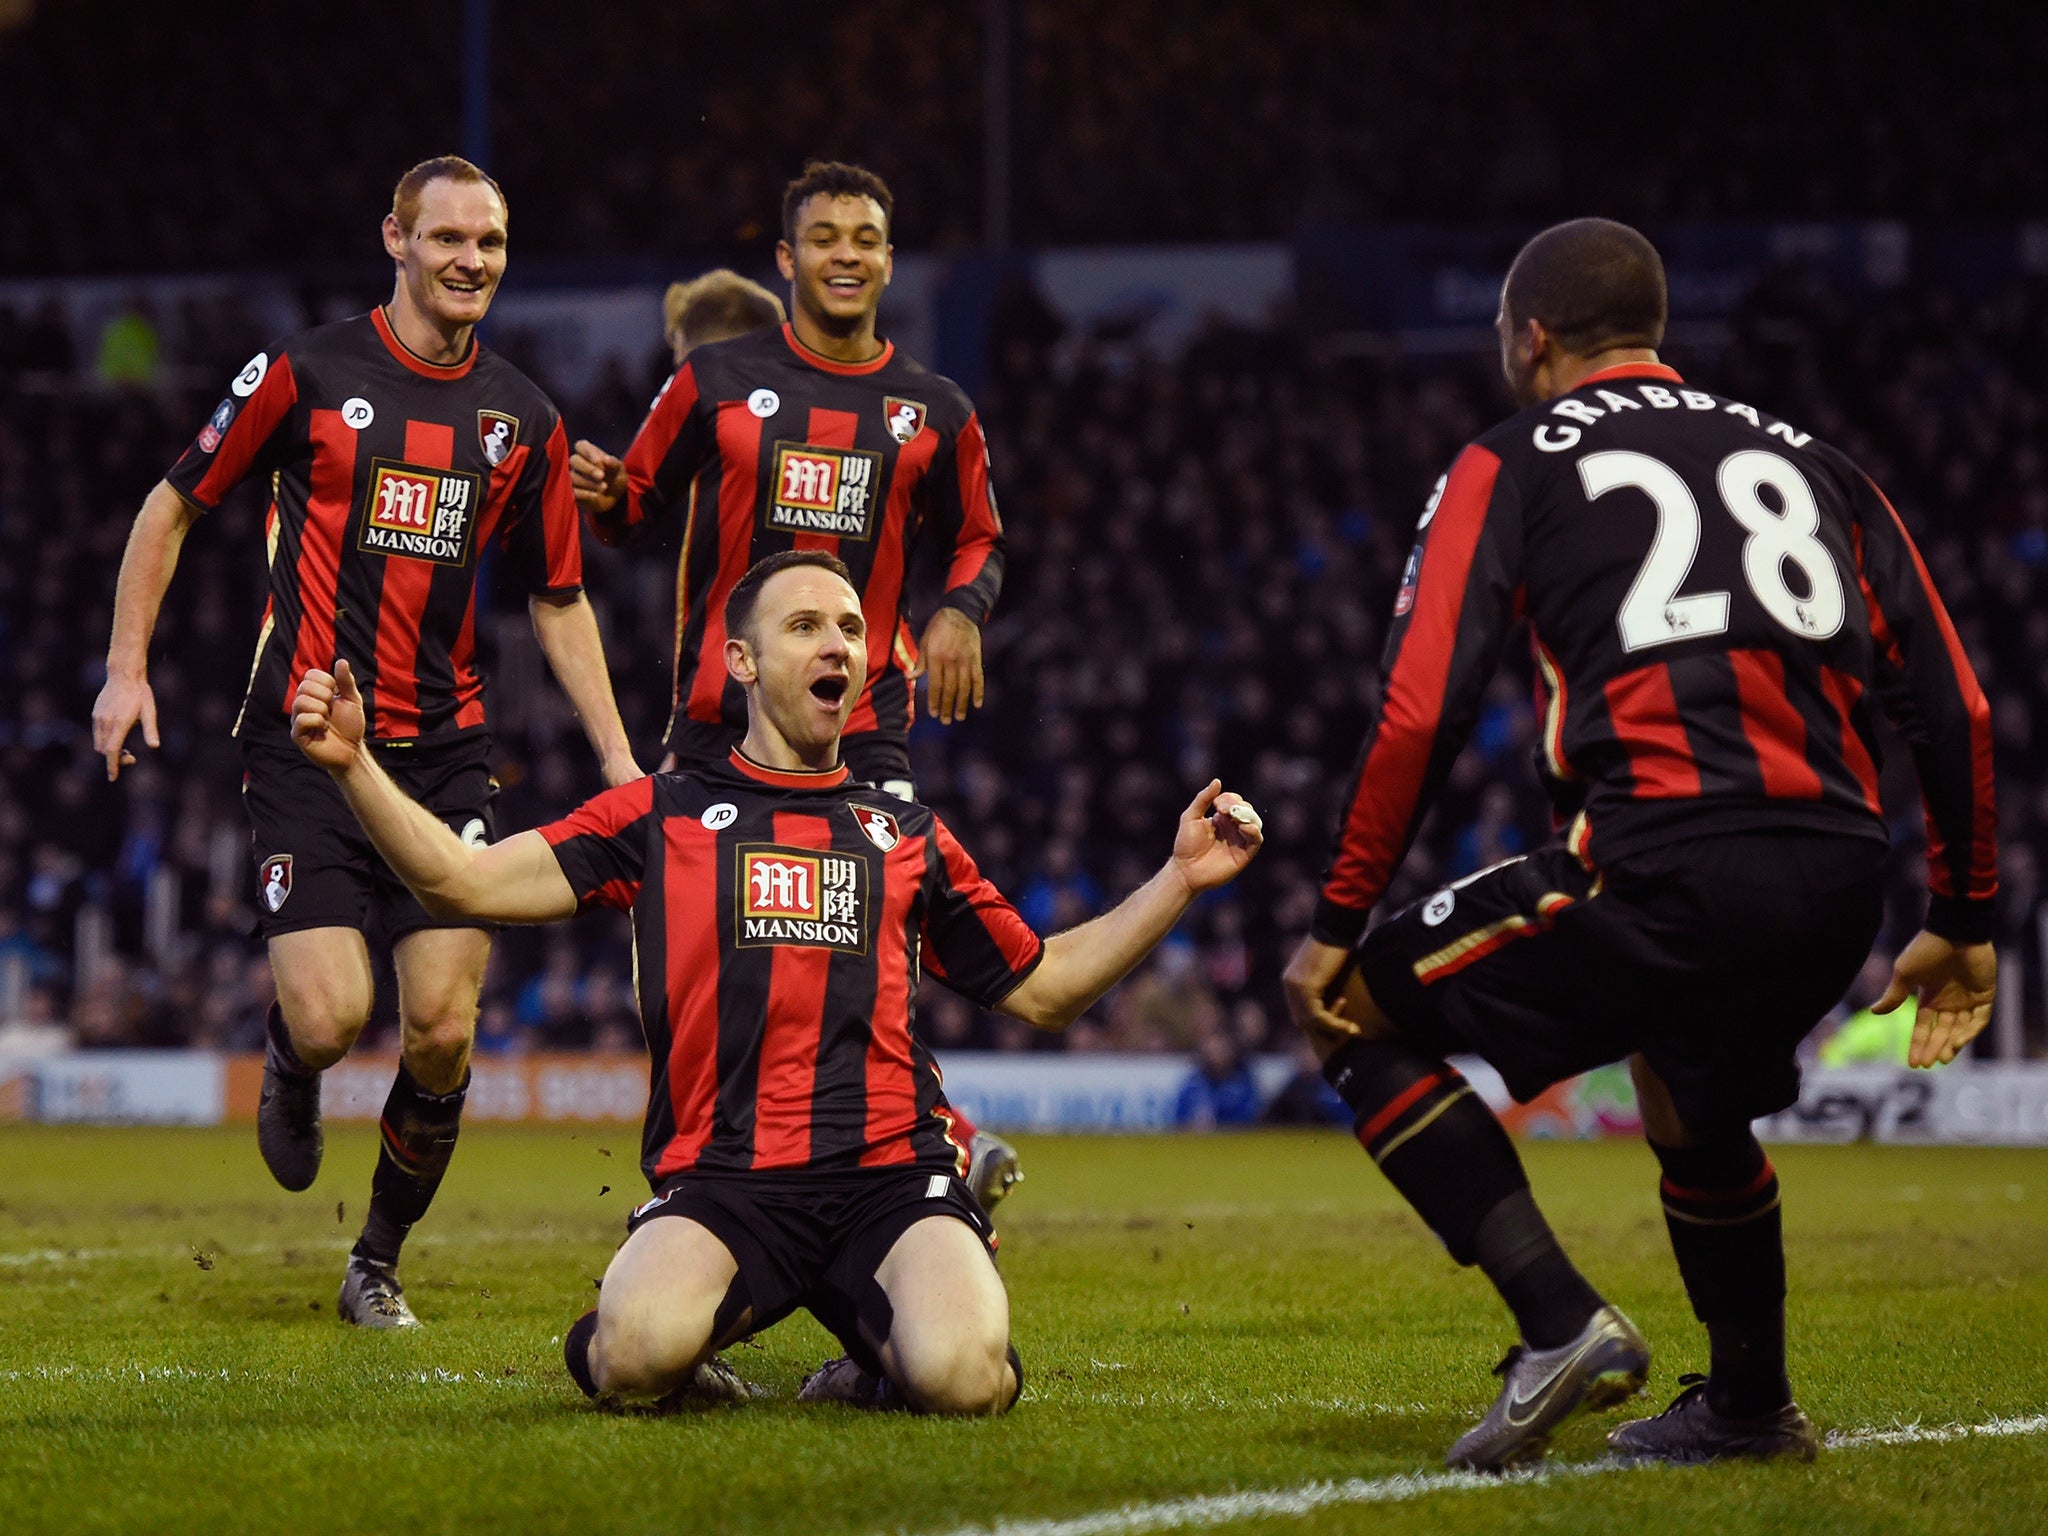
(1214,1509)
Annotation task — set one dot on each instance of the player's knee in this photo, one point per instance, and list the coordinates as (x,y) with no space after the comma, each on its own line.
(324,1027)
(965,1371)
(639,1356)
(437,1047)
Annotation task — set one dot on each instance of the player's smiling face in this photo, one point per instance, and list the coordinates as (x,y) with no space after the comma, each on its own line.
(805,659)
(840,262)
(450,261)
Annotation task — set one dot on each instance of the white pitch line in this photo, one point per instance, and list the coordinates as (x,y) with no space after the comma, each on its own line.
(1213,1509)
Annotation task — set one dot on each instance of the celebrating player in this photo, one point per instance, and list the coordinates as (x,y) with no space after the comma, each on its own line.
(799,1146)
(398,449)
(815,435)
(1719,605)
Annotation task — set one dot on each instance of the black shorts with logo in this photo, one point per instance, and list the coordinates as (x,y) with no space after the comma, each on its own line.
(315,867)
(814,1240)
(1712,957)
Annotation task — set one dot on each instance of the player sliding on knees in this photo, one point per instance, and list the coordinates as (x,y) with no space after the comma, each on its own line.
(799,1147)
(1718,603)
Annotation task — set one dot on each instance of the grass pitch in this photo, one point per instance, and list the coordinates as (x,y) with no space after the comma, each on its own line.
(1197,1316)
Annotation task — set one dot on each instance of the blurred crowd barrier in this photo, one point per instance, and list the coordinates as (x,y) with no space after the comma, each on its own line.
(1984,1104)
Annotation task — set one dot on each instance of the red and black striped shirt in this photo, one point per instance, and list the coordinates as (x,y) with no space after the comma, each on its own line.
(389,477)
(1719,605)
(759,444)
(781,921)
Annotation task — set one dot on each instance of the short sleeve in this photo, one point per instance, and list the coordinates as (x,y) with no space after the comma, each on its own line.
(974,940)
(602,844)
(249,430)
(541,534)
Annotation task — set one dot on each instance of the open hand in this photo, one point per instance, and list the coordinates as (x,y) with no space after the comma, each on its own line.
(327,717)
(1219,834)
(1956,985)
(598,478)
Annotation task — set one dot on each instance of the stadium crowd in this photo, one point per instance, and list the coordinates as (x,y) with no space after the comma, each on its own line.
(151,149)
(1204,552)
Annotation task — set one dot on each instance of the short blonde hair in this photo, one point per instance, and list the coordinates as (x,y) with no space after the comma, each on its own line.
(717,305)
(412,186)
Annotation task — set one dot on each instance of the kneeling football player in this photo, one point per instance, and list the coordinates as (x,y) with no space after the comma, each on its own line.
(798,1144)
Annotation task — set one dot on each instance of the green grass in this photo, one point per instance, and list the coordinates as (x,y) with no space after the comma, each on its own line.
(1196,1315)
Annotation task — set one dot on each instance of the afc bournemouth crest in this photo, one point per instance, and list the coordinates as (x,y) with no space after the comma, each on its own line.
(498,434)
(277,880)
(880,827)
(905,417)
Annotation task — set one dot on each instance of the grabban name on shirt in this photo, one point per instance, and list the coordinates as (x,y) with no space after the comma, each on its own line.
(419,513)
(823,490)
(800,896)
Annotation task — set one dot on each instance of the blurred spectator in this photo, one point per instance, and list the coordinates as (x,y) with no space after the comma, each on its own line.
(1307,1097)
(1220,1090)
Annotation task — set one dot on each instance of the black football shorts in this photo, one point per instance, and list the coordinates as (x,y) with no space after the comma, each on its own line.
(1713,958)
(315,867)
(813,1240)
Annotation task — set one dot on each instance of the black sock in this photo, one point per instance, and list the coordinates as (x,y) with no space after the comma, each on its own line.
(1727,1232)
(418,1133)
(281,1043)
(1445,1151)
(1551,1300)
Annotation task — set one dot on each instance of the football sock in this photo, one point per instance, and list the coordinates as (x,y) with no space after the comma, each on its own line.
(418,1133)
(1551,1300)
(281,1043)
(1444,1150)
(1727,1232)
(576,1352)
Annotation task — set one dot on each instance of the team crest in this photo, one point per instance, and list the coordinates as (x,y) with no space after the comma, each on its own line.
(277,880)
(498,434)
(879,826)
(904,417)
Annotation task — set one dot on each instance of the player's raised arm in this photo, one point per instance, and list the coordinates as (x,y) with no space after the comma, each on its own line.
(516,881)
(1219,834)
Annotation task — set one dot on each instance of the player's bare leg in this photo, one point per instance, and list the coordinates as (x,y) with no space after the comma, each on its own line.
(946,1344)
(440,974)
(657,1319)
(1720,1197)
(948,1348)
(324,987)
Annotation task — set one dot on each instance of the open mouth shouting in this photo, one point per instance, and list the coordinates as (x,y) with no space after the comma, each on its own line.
(830,690)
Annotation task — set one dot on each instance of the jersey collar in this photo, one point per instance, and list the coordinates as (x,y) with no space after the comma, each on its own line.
(412,359)
(832,364)
(1630,371)
(782,778)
